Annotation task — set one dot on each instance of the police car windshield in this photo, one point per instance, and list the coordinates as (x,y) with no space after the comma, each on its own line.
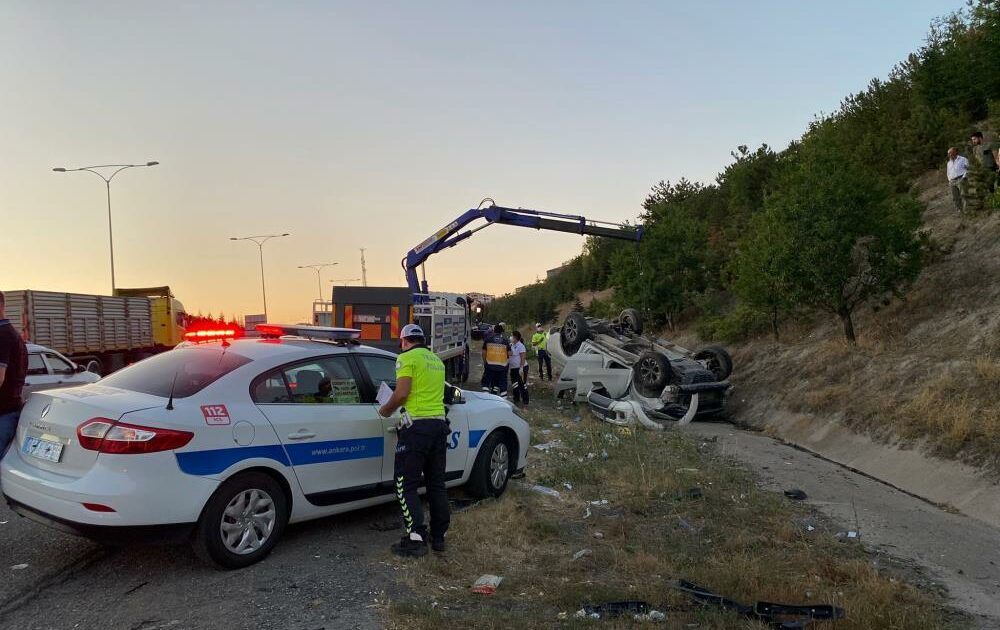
(194,369)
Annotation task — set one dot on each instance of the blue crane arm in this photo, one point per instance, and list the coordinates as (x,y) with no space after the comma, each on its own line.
(450,235)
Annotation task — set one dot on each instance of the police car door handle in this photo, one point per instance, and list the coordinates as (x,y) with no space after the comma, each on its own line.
(301,434)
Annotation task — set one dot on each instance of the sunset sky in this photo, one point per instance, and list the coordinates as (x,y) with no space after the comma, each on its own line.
(372,124)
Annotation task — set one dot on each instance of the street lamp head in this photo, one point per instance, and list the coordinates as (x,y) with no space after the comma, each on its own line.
(233,238)
(286,234)
(151,163)
(59,170)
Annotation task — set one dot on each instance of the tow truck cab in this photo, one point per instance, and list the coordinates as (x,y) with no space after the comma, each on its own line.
(381,312)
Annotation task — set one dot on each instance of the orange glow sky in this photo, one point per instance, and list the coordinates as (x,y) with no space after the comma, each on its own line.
(373,124)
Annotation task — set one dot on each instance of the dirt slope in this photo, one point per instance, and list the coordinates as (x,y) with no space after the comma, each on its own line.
(926,369)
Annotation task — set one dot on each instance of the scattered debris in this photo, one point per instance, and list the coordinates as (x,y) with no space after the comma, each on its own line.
(556,425)
(487,584)
(688,526)
(687,470)
(547,446)
(848,535)
(694,493)
(598,535)
(567,485)
(604,454)
(777,615)
(796,495)
(599,502)
(544,490)
(18,567)
(582,553)
(587,513)
(638,610)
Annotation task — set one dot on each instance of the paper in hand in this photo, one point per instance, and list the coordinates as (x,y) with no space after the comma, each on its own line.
(384,394)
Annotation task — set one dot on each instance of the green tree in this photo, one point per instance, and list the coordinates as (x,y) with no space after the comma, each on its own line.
(760,269)
(841,235)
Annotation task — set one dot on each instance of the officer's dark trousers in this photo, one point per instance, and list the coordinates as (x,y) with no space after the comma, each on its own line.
(495,378)
(420,460)
(517,385)
(544,360)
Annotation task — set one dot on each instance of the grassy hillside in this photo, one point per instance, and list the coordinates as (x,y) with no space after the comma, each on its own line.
(926,368)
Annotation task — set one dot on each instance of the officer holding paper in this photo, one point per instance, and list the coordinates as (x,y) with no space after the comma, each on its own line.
(423,443)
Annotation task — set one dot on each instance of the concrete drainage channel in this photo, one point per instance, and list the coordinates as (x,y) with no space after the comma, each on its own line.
(954,551)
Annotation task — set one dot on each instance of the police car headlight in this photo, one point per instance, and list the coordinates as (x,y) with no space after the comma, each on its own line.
(518,411)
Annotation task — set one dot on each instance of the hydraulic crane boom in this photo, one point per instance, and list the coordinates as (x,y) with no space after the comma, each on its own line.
(449,235)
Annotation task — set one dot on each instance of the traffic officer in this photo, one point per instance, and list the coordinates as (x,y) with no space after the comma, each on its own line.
(540,342)
(423,443)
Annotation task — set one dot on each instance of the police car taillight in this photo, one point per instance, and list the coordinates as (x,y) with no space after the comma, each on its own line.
(110,436)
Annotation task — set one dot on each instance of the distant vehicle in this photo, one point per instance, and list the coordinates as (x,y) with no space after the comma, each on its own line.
(627,377)
(479,330)
(47,369)
(102,333)
(231,440)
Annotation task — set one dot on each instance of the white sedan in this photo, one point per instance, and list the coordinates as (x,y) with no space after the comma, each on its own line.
(231,440)
(48,369)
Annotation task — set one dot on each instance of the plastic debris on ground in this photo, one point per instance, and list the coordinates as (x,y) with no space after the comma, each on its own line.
(550,492)
(18,567)
(583,553)
(638,610)
(598,535)
(487,584)
(694,493)
(567,485)
(547,446)
(849,535)
(776,615)
(796,495)
(599,502)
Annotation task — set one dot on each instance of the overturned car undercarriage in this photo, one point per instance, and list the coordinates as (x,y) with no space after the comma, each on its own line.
(626,377)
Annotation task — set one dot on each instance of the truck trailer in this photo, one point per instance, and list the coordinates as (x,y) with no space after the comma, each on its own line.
(103,333)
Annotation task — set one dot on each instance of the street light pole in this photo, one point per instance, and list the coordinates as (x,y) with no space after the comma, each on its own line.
(107,182)
(259,242)
(318,268)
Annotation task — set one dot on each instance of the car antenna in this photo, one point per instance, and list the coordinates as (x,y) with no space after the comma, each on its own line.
(170,401)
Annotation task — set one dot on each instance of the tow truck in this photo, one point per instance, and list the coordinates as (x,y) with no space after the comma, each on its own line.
(380,312)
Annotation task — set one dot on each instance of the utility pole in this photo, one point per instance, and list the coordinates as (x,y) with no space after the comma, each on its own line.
(364,270)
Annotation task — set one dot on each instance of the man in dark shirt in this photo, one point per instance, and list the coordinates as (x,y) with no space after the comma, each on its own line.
(13,366)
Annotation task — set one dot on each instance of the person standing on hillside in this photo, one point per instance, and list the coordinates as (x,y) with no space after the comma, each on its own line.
(13,368)
(540,343)
(986,158)
(496,352)
(958,171)
(518,359)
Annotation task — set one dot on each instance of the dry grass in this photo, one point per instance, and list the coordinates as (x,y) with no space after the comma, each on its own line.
(738,540)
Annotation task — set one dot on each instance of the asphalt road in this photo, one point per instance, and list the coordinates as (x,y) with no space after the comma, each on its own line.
(323,574)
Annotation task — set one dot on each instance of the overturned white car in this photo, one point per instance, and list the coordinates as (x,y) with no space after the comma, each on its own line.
(626,377)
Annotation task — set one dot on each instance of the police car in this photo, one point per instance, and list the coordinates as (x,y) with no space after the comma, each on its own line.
(227,441)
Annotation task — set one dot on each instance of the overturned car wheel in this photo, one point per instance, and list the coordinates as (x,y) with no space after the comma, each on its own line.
(651,373)
(631,321)
(575,331)
(717,361)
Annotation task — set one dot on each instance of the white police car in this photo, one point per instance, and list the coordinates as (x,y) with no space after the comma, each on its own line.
(231,440)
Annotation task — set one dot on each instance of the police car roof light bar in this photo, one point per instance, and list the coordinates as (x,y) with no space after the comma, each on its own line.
(318,333)
(449,235)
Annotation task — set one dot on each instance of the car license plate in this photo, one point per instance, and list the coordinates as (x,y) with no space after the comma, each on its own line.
(42,449)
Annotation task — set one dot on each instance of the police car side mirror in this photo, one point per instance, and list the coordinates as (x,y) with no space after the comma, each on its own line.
(453,395)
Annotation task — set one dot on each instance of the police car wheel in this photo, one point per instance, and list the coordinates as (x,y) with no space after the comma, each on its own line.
(242,521)
(492,469)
